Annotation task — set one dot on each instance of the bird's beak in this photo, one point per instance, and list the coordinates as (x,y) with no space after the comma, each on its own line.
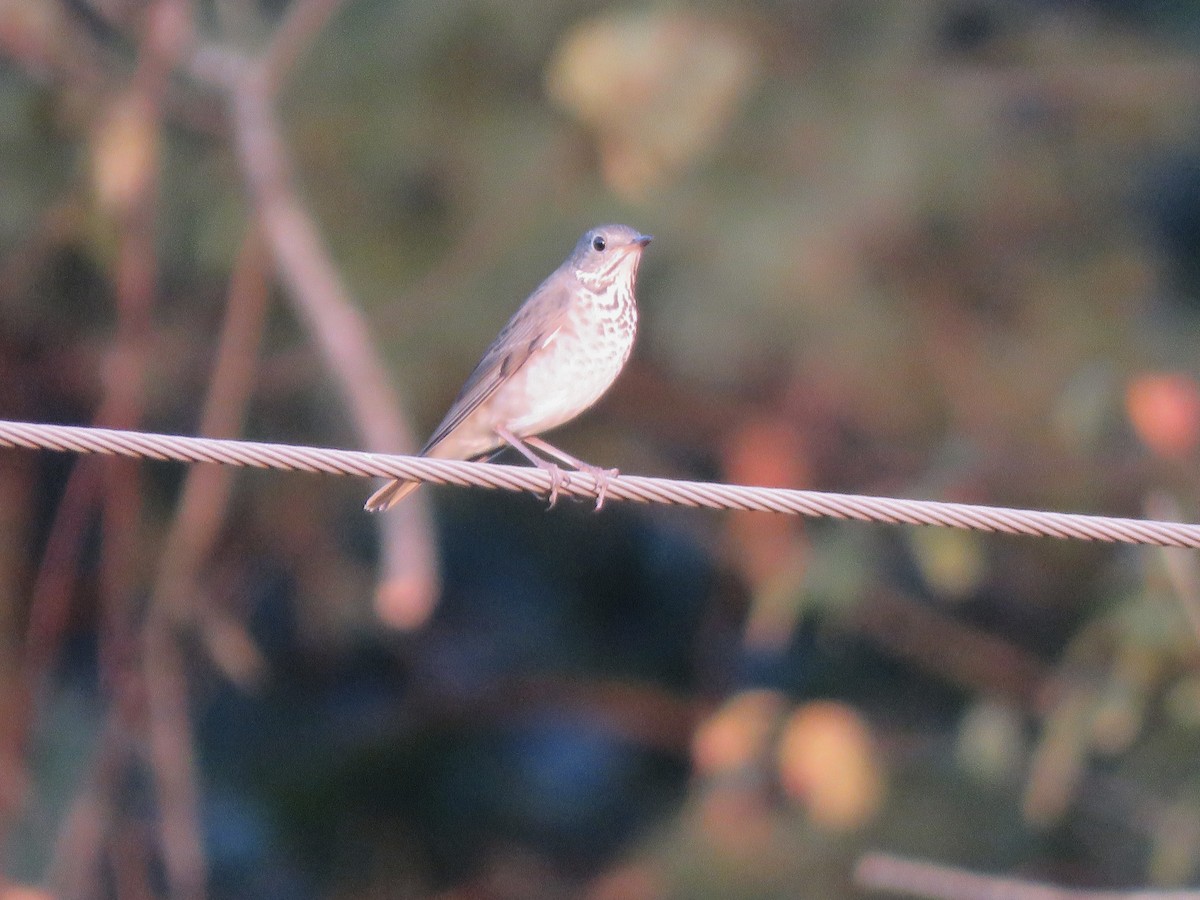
(642,240)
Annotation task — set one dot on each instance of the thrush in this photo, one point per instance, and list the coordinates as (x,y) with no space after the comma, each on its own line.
(557,356)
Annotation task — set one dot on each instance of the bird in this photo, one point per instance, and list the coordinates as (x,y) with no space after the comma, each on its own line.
(558,354)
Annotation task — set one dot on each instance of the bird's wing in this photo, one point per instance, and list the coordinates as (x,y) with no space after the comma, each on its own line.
(532,327)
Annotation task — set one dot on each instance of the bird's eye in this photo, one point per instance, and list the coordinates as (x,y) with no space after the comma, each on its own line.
(598,243)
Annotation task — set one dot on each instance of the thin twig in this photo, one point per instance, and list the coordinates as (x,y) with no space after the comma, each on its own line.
(409,583)
(172,755)
(304,21)
(919,634)
(79,848)
(188,543)
(1182,569)
(134,206)
(206,490)
(903,877)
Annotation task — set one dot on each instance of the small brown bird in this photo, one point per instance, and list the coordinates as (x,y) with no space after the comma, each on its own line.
(562,350)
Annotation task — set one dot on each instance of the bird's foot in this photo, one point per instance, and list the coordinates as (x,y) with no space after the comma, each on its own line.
(601,477)
(558,479)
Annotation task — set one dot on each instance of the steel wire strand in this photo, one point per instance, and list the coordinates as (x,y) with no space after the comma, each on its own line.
(636,488)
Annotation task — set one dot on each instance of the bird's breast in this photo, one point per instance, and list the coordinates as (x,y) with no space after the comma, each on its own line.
(575,368)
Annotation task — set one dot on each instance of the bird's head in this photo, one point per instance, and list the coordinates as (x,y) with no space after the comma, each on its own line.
(608,254)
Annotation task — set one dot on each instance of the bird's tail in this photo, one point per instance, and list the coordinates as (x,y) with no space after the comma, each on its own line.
(390,494)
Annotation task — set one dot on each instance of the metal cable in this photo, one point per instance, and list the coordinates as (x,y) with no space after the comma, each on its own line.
(813,504)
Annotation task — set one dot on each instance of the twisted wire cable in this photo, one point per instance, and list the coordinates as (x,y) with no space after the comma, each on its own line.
(812,504)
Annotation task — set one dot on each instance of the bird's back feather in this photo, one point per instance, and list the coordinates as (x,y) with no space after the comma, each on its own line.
(528,331)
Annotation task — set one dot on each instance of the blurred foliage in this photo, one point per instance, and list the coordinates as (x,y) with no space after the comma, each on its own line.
(938,249)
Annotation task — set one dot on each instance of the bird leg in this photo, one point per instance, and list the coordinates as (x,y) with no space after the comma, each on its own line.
(558,478)
(599,475)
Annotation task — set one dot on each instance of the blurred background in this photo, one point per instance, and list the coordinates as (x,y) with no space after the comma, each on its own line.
(944,249)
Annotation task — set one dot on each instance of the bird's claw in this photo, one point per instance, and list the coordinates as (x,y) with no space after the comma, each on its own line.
(558,479)
(601,477)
